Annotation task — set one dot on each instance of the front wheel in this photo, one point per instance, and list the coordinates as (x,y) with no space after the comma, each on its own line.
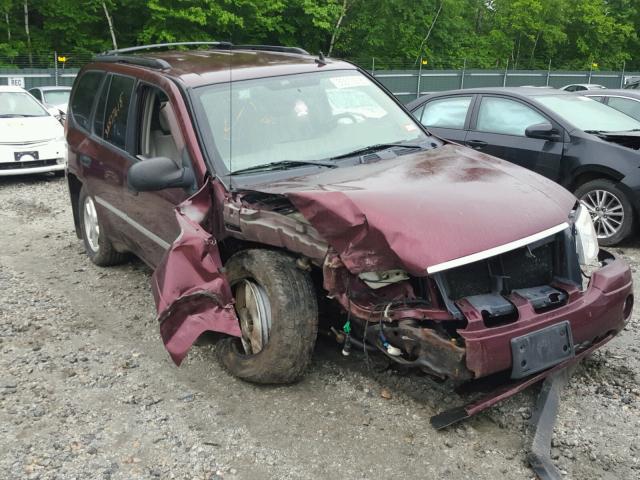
(278,312)
(610,210)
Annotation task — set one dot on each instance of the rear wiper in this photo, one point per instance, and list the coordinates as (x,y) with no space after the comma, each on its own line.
(281,165)
(375,148)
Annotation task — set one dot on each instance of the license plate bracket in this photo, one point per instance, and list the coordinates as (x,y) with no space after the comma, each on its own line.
(539,350)
(18,156)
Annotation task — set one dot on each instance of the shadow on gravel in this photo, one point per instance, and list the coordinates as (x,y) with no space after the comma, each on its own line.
(33,179)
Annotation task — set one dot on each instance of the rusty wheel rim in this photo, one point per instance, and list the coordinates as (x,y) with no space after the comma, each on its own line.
(254,312)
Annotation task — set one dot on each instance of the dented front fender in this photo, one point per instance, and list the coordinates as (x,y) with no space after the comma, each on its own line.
(191,293)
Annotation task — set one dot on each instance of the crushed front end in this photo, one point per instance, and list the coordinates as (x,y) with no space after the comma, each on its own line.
(523,310)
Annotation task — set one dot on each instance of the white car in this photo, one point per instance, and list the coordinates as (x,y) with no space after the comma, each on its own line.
(57,97)
(31,138)
(577,87)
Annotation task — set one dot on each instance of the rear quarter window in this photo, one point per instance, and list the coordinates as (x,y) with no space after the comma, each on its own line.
(83,96)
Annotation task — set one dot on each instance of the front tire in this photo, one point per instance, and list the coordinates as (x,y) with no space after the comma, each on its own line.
(98,247)
(277,307)
(610,210)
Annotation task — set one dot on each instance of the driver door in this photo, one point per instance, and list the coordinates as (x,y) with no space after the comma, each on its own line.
(157,135)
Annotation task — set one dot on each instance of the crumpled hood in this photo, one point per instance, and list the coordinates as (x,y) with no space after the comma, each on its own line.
(426,208)
(29,129)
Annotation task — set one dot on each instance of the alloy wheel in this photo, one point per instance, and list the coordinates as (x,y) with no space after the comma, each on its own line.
(91,225)
(606,211)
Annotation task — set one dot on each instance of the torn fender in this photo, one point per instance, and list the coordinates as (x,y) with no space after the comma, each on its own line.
(191,293)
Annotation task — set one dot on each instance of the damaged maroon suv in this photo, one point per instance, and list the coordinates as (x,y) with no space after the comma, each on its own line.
(268,188)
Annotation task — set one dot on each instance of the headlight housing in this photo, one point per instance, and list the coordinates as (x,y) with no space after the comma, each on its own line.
(586,237)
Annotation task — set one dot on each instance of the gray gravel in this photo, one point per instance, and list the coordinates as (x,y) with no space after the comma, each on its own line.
(87,390)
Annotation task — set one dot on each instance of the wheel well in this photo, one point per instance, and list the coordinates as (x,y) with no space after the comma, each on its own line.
(75,186)
(585,177)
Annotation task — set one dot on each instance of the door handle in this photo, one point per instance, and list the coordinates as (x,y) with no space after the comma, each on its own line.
(477,144)
(85,160)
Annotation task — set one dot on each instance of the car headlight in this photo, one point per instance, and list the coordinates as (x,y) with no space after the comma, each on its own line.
(586,238)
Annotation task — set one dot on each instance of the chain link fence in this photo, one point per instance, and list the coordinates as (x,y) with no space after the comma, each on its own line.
(406,80)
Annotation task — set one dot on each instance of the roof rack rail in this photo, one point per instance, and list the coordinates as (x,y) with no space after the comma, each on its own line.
(122,55)
(133,60)
(168,45)
(272,48)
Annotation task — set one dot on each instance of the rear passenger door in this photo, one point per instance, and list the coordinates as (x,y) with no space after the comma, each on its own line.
(447,117)
(498,128)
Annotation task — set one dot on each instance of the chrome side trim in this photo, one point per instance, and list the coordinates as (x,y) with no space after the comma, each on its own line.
(123,216)
(492,252)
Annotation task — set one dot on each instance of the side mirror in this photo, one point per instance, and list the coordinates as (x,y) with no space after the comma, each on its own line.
(158,173)
(543,131)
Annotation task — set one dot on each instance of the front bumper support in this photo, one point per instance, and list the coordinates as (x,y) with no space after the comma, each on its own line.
(458,414)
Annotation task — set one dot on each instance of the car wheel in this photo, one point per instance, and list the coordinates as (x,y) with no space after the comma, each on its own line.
(96,244)
(278,312)
(610,209)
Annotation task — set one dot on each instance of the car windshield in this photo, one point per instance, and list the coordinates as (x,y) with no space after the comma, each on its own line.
(18,104)
(57,97)
(588,114)
(304,118)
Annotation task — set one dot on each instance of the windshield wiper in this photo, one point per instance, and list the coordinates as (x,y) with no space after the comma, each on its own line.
(375,148)
(11,115)
(281,165)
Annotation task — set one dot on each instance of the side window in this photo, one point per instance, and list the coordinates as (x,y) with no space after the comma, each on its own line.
(597,98)
(447,112)
(98,120)
(500,115)
(418,113)
(83,95)
(579,88)
(159,132)
(626,105)
(37,94)
(117,110)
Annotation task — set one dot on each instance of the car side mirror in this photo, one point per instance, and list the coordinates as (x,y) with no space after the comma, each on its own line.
(158,173)
(543,131)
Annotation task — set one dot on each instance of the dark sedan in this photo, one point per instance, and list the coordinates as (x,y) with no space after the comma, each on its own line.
(625,101)
(584,145)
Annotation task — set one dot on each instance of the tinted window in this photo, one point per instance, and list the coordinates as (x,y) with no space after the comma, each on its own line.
(98,121)
(36,93)
(83,96)
(117,110)
(570,89)
(626,105)
(500,115)
(447,113)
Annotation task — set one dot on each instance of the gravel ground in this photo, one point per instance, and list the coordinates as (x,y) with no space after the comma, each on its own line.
(88,391)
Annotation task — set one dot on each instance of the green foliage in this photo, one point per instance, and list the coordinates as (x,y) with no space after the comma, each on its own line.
(522,34)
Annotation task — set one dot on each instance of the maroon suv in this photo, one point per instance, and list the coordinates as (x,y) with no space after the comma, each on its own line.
(265,185)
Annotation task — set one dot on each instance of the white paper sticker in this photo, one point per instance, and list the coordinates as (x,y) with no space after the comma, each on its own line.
(349,81)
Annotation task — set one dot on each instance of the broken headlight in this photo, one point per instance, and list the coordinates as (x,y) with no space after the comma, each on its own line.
(586,238)
(382,279)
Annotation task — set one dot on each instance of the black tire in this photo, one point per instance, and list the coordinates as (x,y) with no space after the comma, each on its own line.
(105,255)
(628,221)
(294,318)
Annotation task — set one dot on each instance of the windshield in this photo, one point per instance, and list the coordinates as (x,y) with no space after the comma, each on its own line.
(306,117)
(57,97)
(588,114)
(18,104)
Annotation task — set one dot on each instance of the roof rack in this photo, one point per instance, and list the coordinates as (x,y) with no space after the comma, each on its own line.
(168,45)
(121,55)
